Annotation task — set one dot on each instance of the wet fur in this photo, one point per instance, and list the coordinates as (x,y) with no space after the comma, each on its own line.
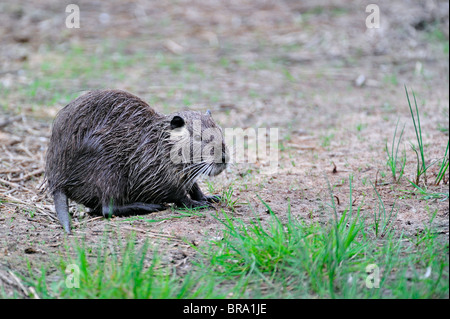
(111,149)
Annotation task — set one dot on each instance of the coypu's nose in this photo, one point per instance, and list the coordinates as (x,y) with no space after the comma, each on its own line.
(225,158)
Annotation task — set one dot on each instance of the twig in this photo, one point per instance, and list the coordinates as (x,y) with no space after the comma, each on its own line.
(19,283)
(15,185)
(334,168)
(6,279)
(337,198)
(9,183)
(301,147)
(9,71)
(182,262)
(34,293)
(39,209)
(28,176)
(13,170)
(26,150)
(9,121)
(88,221)
(376,179)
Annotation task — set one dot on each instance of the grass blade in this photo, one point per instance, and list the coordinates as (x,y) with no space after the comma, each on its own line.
(418,130)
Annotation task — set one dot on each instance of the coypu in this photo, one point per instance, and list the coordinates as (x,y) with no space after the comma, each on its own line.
(110,151)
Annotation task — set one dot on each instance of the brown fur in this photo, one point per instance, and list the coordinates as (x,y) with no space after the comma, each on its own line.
(110,147)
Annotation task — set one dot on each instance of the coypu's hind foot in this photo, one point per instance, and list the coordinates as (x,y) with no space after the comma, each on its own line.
(131,209)
(62,209)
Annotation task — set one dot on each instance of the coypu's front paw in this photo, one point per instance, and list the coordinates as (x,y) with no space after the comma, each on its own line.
(190,203)
(214,198)
(202,203)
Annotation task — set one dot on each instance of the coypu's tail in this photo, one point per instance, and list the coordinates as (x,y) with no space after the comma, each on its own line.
(62,209)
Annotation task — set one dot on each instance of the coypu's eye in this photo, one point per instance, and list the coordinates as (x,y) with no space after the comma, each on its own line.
(176,122)
(197,138)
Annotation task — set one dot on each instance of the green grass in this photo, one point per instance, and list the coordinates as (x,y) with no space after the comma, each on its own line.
(436,36)
(123,271)
(443,168)
(390,79)
(426,195)
(420,157)
(382,220)
(326,139)
(228,199)
(174,64)
(295,259)
(284,257)
(64,73)
(392,161)
(421,163)
(360,126)
(288,75)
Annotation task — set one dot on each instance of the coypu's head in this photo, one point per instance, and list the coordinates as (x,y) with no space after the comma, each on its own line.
(197,143)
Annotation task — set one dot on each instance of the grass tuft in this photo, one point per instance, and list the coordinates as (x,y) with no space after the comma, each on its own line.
(443,168)
(421,163)
(393,156)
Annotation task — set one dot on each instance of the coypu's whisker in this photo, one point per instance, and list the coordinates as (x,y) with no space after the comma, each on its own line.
(195,175)
(193,166)
(202,171)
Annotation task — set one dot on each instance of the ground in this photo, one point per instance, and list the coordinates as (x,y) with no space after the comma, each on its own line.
(334,89)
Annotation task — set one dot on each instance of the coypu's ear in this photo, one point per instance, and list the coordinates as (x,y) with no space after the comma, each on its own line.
(176,122)
(208,112)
